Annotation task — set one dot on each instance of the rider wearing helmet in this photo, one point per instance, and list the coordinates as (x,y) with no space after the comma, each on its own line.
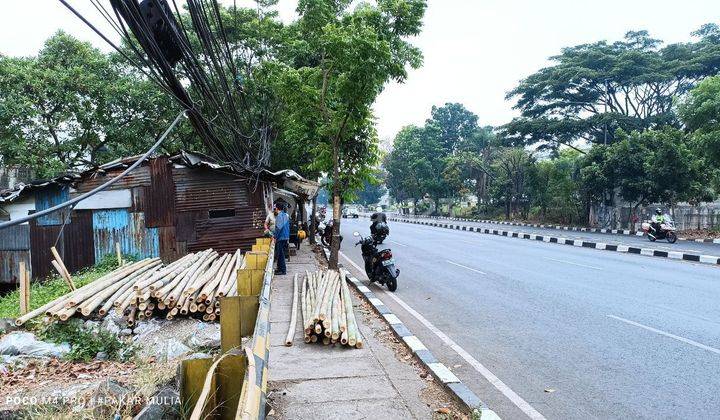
(657,220)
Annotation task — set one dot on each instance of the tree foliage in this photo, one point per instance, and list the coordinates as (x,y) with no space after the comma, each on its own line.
(592,90)
(73,106)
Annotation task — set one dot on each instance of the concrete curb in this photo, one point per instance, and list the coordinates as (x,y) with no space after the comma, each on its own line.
(561,227)
(451,382)
(705,259)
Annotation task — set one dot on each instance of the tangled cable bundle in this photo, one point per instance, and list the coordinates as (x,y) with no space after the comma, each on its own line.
(194,62)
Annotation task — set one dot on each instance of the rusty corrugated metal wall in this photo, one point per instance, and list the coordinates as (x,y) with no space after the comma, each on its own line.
(110,226)
(198,191)
(14,247)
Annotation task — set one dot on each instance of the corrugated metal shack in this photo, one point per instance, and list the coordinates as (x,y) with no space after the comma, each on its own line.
(168,206)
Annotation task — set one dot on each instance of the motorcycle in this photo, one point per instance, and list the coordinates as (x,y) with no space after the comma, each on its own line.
(325,232)
(666,231)
(379,265)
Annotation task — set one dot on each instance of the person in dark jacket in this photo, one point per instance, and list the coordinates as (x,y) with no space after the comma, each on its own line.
(282,236)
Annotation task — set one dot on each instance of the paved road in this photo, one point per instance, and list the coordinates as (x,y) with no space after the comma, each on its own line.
(632,240)
(568,333)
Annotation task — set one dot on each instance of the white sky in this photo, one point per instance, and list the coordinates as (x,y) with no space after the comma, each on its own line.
(475,50)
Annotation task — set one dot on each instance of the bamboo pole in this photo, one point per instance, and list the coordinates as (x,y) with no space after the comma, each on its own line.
(24,289)
(63,270)
(119,254)
(293,316)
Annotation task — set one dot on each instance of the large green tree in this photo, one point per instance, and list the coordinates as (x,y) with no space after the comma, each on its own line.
(340,59)
(72,106)
(592,90)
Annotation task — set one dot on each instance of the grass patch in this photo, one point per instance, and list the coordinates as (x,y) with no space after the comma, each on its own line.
(42,292)
(86,343)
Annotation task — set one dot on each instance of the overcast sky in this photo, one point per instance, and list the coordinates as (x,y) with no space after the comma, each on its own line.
(475,50)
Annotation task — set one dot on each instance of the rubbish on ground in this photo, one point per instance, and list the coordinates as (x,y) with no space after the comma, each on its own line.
(327,310)
(17,343)
(190,286)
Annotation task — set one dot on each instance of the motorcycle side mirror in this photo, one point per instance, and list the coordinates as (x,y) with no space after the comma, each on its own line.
(356,233)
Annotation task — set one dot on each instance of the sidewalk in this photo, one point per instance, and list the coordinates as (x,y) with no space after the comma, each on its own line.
(312,381)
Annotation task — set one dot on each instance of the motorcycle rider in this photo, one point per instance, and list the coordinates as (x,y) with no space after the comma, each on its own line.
(657,220)
(377,218)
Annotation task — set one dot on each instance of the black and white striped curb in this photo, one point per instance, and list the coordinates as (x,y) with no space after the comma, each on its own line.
(561,227)
(468,398)
(706,259)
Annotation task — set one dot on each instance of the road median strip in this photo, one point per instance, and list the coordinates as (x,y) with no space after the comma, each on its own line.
(627,232)
(704,259)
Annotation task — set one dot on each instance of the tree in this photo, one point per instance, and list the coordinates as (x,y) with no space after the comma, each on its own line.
(592,90)
(701,114)
(512,169)
(371,193)
(72,107)
(341,60)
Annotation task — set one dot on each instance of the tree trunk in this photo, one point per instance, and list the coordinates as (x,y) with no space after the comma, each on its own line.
(313,221)
(335,244)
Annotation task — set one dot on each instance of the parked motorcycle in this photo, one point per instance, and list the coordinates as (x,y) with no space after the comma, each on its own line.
(325,232)
(666,231)
(379,264)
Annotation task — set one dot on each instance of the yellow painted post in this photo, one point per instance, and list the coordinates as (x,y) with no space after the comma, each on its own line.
(249,307)
(264,241)
(229,375)
(230,324)
(192,380)
(256,260)
(250,281)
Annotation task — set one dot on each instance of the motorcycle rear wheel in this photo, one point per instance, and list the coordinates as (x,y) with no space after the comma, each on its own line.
(671,237)
(325,241)
(391,284)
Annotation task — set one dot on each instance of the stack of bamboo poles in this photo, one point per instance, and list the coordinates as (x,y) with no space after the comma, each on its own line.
(190,286)
(327,310)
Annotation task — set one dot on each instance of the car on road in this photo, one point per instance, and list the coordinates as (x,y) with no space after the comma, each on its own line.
(350,212)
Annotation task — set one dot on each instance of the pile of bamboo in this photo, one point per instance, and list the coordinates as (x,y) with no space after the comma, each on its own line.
(327,310)
(190,286)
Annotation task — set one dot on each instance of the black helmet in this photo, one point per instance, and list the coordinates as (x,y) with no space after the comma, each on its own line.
(382,228)
(658,212)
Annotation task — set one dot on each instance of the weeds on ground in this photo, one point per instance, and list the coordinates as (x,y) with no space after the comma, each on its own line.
(86,343)
(44,291)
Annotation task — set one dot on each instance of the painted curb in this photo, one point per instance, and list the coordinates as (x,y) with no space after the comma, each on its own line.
(451,382)
(260,344)
(705,259)
(561,227)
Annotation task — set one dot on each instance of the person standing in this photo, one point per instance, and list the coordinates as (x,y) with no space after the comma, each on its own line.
(282,236)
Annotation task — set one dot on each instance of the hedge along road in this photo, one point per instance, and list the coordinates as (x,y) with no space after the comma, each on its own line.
(608,238)
(560,331)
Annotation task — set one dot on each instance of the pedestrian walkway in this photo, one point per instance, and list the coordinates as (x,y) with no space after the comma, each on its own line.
(312,381)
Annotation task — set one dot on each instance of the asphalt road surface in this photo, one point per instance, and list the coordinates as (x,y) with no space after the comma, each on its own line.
(542,330)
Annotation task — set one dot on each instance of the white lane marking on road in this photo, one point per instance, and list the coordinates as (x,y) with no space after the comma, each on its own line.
(466,267)
(517,400)
(667,334)
(572,263)
(396,242)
